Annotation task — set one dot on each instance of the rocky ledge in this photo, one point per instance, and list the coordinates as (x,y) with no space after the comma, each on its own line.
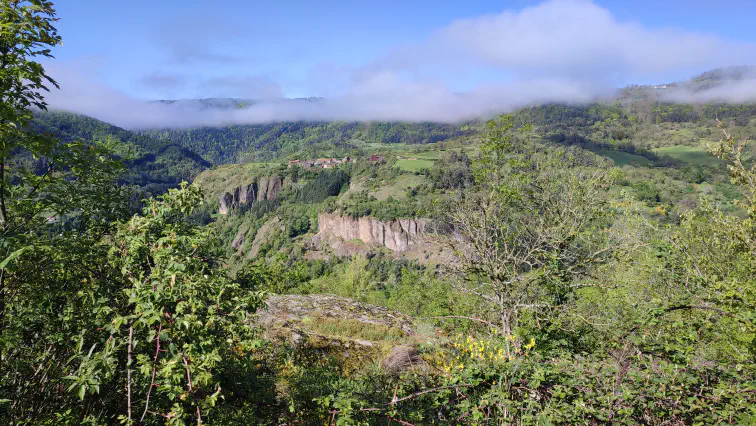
(292,310)
(352,332)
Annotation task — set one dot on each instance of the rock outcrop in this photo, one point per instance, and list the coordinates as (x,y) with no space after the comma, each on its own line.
(296,311)
(226,203)
(247,193)
(397,235)
(238,241)
(354,334)
(269,188)
(265,189)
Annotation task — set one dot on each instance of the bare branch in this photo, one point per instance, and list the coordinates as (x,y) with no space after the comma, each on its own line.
(128,373)
(154,371)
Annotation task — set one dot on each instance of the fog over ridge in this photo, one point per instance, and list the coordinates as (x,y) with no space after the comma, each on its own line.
(558,51)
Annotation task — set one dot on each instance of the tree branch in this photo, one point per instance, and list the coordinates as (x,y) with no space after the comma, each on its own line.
(189,379)
(128,373)
(3,209)
(416,394)
(154,371)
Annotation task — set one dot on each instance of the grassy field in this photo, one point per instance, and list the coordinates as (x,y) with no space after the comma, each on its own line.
(385,147)
(414,165)
(399,188)
(430,151)
(427,155)
(689,154)
(625,158)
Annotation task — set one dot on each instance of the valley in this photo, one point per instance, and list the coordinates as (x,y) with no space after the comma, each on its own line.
(475,226)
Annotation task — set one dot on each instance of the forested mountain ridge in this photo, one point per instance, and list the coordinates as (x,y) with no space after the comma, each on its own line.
(628,119)
(633,117)
(153,165)
(256,142)
(646,133)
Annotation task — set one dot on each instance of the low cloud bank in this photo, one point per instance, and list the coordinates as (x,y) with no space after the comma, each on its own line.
(734,91)
(563,51)
(381,98)
(370,101)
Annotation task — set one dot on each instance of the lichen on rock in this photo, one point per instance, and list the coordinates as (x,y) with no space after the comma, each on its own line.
(353,332)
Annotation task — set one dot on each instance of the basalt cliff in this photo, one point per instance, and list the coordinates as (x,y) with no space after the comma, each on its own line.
(398,235)
(263,189)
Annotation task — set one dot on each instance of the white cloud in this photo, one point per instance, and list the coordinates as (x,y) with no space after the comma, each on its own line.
(575,38)
(564,51)
(740,91)
(380,96)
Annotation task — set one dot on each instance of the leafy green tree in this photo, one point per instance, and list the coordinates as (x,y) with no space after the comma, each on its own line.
(143,325)
(178,298)
(56,202)
(698,280)
(647,192)
(327,184)
(533,223)
(27,32)
(45,186)
(712,261)
(85,301)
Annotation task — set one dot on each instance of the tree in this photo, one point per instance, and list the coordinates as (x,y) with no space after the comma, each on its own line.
(46,187)
(145,326)
(48,192)
(27,32)
(177,297)
(711,261)
(532,223)
(82,290)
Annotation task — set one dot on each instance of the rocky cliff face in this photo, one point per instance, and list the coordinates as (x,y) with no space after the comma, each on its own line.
(264,189)
(269,188)
(396,236)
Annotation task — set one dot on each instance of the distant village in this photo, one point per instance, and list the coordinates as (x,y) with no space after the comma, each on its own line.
(329,163)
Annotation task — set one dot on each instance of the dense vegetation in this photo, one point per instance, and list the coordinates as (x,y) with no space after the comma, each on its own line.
(239,143)
(596,266)
(153,166)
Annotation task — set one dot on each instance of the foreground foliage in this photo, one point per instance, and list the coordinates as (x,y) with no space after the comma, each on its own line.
(147,327)
(564,301)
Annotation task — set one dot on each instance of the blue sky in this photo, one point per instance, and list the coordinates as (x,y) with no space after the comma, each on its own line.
(284,39)
(357,51)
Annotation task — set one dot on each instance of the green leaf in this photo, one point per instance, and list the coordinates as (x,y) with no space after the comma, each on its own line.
(11,257)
